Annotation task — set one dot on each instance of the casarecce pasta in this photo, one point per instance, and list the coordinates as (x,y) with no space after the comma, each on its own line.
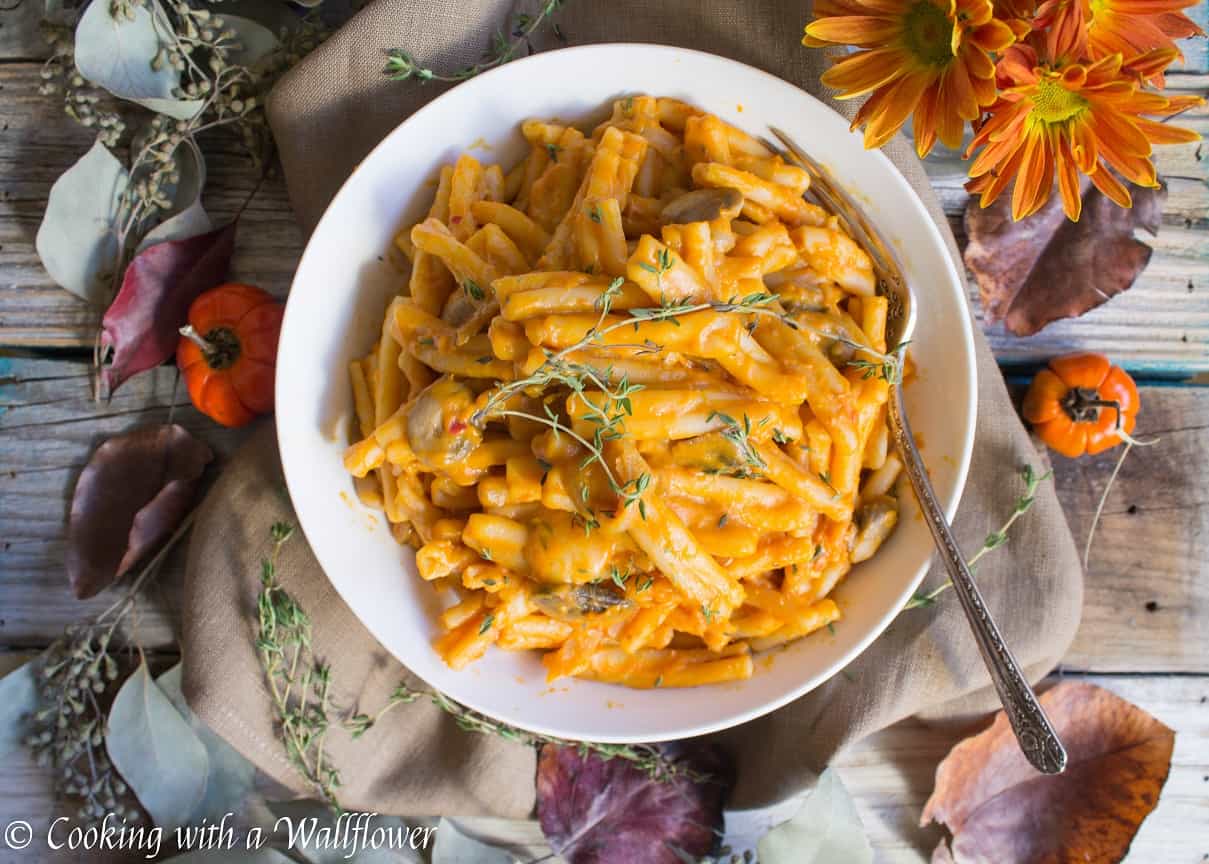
(630,403)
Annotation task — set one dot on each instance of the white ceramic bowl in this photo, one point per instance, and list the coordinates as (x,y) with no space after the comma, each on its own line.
(335,309)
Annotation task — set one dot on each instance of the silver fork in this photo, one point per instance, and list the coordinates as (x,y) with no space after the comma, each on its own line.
(1032,727)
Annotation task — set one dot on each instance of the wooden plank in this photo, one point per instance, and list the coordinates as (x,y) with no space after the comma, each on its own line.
(20,33)
(1147,588)
(49,424)
(1158,553)
(1160,326)
(40,143)
(889,775)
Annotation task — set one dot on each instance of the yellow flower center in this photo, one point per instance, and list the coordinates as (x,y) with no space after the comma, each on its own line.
(1053,103)
(927,34)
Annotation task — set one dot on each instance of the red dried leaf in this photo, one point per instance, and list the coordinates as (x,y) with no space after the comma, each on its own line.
(1000,809)
(607,811)
(142,325)
(131,495)
(1045,267)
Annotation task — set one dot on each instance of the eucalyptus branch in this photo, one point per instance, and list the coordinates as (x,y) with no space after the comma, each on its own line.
(993,540)
(75,676)
(401,65)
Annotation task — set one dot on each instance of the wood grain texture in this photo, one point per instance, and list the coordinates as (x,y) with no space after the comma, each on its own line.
(1161,326)
(889,775)
(1158,327)
(39,143)
(1147,586)
(49,424)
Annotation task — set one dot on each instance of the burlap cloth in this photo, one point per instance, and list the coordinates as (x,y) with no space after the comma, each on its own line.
(326,115)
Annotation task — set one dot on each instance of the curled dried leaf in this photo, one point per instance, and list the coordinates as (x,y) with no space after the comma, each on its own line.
(142,326)
(1043,268)
(134,491)
(608,811)
(998,808)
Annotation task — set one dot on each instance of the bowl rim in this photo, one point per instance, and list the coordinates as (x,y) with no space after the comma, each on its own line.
(955,281)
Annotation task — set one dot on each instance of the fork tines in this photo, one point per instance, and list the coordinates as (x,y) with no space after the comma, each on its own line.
(825,192)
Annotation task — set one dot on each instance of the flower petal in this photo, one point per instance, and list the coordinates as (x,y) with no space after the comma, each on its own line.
(1068,181)
(1111,186)
(865,31)
(864,71)
(895,106)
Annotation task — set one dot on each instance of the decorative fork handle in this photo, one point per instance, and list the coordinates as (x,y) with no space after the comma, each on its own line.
(1033,729)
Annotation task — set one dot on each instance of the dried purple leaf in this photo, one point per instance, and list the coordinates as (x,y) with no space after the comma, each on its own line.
(143,323)
(134,491)
(609,811)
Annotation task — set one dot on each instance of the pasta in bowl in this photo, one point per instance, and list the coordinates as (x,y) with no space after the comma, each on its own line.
(631,408)
(353,271)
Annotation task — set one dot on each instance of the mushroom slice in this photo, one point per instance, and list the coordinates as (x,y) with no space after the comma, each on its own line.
(702,205)
(438,427)
(458,309)
(573,603)
(874,519)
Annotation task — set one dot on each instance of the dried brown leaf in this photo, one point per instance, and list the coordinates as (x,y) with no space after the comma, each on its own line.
(608,811)
(131,495)
(1000,810)
(1045,267)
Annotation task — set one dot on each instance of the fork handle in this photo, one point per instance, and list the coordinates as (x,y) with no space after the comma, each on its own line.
(1032,727)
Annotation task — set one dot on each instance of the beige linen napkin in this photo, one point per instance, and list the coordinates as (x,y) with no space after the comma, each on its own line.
(326,115)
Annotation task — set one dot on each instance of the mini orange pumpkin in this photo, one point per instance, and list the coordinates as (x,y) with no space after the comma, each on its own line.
(1082,404)
(228,352)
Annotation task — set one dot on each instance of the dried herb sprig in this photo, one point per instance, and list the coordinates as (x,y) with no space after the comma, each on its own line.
(739,434)
(401,65)
(608,416)
(82,102)
(993,540)
(75,680)
(888,366)
(648,758)
(305,714)
(300,684)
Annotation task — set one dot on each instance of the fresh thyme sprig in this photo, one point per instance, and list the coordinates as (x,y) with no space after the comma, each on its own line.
(887,366)
(608,415)
(739,433)
(299,683)
(648,758)
(993,540)
(359,724)
(303,704)
(401,65)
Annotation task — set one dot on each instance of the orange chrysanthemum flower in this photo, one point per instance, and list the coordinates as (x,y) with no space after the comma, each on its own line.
(1125,27)
(930,57)
(1072,117)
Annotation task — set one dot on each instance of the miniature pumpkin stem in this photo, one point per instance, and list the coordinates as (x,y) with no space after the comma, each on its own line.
(219,347)
(196,338)
(1083,404)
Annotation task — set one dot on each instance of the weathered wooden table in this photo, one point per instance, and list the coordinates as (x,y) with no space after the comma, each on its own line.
(1145,630)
